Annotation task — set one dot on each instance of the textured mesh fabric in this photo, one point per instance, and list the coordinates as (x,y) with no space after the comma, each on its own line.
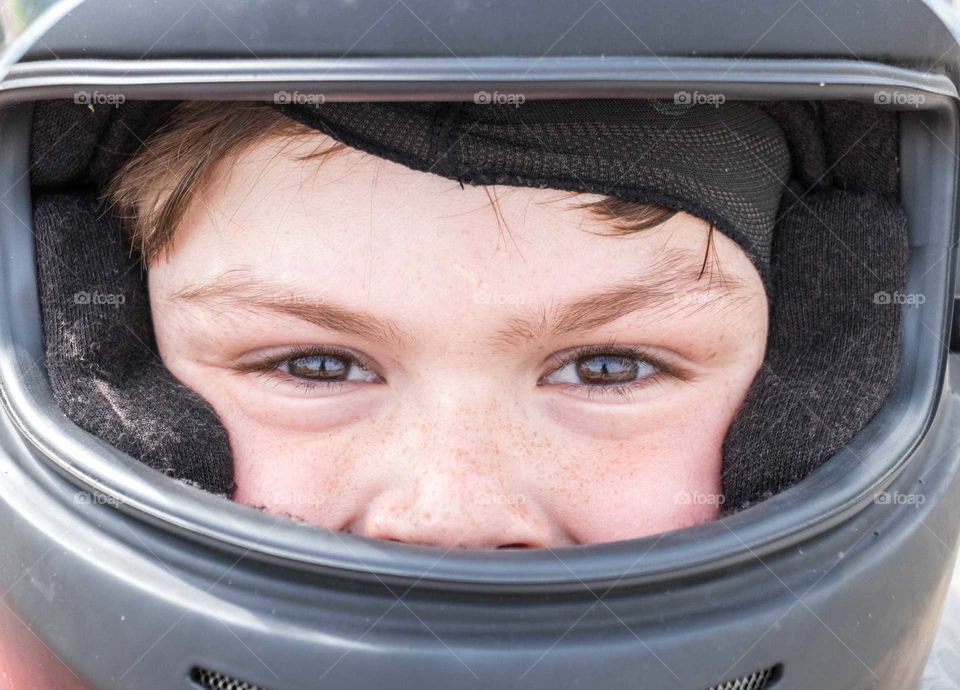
(75,145)
(214,680)
(758,680)
(101,354)
(727,164)
(833,346)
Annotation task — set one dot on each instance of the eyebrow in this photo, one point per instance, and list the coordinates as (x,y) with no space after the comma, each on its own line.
(237,288)
(680,274)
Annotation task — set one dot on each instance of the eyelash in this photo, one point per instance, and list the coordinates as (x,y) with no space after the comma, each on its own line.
(270,366)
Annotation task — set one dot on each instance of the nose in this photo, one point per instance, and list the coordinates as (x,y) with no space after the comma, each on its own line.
(453,508)
(462,480)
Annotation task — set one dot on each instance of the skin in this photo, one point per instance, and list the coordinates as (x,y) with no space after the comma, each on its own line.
(467,429)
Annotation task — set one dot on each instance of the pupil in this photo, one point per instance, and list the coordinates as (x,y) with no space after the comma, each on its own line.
(605,370)
(323,367)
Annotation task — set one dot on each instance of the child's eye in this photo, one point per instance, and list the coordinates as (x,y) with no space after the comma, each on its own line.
(312,366)
(326,367)
(607,372)
(604,369)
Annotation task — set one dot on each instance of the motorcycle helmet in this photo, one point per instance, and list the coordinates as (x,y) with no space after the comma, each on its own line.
(831,565)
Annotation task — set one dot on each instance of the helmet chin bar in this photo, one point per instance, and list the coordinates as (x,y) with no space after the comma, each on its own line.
(690,609)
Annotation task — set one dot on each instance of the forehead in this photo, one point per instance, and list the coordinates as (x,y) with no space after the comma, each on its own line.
(360,220)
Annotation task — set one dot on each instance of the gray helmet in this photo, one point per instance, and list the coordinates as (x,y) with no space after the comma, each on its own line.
(116,576)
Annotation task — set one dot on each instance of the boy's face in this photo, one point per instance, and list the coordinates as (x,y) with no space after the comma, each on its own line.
(390,360)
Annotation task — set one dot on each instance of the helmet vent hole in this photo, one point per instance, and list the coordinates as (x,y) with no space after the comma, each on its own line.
(758,680)
(214,680)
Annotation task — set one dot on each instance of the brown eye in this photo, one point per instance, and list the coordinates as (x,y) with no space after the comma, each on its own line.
(599,369)
(327,367)
(320,367)
(606,370)
(323,367)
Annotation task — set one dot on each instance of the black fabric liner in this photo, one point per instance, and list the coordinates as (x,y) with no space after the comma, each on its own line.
(101,353)
(832,354)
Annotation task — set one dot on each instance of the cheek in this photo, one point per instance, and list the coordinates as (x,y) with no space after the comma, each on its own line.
(293,474)
(664,478)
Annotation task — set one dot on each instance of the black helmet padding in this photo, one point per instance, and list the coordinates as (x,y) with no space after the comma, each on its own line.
(833,346)
(101,356)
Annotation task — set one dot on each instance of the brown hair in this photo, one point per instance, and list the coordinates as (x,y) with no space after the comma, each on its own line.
(154,188)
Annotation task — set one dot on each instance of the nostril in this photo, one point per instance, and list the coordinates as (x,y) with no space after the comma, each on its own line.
(516,545)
